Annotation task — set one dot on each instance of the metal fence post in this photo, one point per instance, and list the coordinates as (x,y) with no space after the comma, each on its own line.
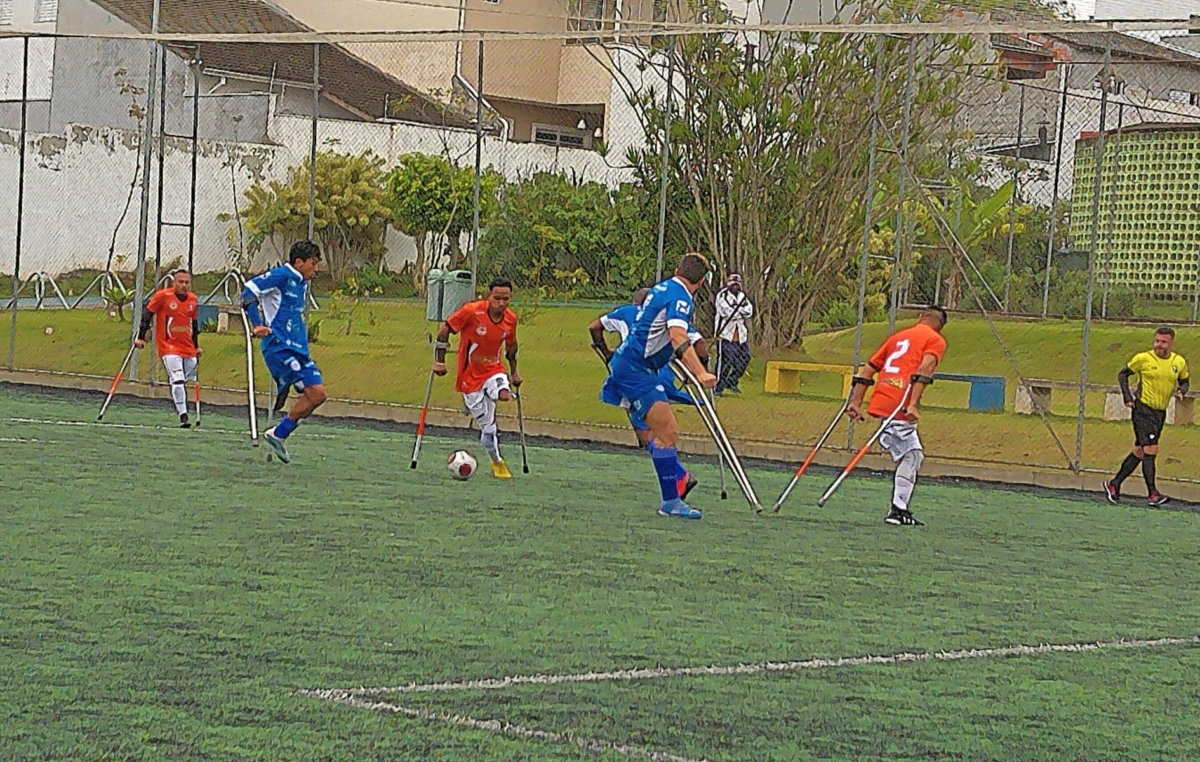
(666,155)
(312,149)
(1095,235)
(139,287)
(905,130)
(868,200)
(12,327)
(478,170)
(1012,203)
(1058,144)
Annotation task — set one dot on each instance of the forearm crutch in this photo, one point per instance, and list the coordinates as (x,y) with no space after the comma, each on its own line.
(521,428)
(250,390)
(720,460)
(863,450)
(816,448)
(196,382)
(116,381)
(724,447)
(424,415)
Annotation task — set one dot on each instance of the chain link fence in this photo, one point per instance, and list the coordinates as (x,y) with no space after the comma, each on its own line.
(581,152)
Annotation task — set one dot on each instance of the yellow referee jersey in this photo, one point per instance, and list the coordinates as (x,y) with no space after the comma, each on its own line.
(1158,377)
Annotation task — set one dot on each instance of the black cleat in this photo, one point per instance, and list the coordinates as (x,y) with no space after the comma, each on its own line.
(1112,493)
(1157,498)
(902,518)
(687,489)
(184,423)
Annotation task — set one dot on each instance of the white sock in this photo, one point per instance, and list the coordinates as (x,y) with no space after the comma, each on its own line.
(490,440)
(902,490)
(179,395)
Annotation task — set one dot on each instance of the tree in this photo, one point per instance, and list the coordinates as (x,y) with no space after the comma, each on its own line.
(768,157)
(428,196)
(351,213)
(563,234)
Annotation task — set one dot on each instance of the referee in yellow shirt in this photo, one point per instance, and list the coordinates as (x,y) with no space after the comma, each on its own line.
(1161,374)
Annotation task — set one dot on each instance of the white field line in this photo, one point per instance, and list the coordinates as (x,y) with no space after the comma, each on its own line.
(658,673)
(23,440)
(596,745)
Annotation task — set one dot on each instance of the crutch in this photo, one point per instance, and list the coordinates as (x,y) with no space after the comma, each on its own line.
(113,389)
(720,460)
(197,384)
(863,450)
(724,447)
(816,448)
(521,428)
(424,413)
(250,390)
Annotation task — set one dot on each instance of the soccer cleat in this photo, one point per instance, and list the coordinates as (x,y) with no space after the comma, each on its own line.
(678,509)
(685,485)
(734,388)
(500,470)
(1112,493)
(277,445)
(903,518)
(1157,498)
(184,423)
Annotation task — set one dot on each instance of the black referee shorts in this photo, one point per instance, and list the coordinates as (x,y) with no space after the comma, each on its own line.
(1147,424)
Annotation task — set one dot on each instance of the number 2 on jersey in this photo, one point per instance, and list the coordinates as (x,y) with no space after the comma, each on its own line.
(901,350)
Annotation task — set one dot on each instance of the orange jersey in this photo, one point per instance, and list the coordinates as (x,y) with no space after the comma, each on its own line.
(897,361)
(173,318)
(481,342)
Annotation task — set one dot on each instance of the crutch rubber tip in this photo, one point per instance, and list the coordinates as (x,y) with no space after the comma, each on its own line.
(525,470)
(413,464)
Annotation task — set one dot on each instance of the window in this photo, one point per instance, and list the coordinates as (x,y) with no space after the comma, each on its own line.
(1184,97)
(47,10)
(565,137)
(6,12)
(589,16)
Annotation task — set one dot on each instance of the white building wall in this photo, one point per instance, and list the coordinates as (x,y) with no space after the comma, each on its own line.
(27,16)
(77,186)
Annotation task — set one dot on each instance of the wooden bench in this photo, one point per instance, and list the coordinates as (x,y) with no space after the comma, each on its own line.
(1034,396)
(784,377)
(987,392)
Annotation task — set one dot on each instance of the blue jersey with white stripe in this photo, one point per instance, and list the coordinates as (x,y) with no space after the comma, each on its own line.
(648,345)
(280,293)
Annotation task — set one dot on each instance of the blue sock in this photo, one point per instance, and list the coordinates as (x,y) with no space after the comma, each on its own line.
(285,427)
(666,465)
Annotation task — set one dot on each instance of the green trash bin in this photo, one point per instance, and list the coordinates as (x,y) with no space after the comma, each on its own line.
(456,291)
(433,295)
(446,291)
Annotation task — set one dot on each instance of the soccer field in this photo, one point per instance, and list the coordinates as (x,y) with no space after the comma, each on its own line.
(169,594)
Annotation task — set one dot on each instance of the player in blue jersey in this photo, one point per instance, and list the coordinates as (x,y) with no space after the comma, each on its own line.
(274,302)
(659,334)
(620,321)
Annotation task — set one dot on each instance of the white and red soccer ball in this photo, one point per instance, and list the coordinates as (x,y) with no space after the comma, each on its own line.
(462,465)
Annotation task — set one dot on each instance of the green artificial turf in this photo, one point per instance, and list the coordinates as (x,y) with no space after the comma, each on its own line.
(164,594)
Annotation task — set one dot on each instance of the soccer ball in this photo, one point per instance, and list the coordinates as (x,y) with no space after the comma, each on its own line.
(462,465)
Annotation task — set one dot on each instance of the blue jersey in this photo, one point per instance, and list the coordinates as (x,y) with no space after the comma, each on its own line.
(621,320)
(281,293)
(648,345)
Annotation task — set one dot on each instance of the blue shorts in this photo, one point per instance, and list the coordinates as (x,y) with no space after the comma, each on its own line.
(291,369)
(637,389)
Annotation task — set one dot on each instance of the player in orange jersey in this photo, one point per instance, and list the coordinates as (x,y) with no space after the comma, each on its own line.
(175,312)
(485,327)
(900,371)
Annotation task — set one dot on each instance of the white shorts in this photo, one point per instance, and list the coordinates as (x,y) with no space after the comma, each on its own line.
(900,438)
(482,404)
(179,369)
